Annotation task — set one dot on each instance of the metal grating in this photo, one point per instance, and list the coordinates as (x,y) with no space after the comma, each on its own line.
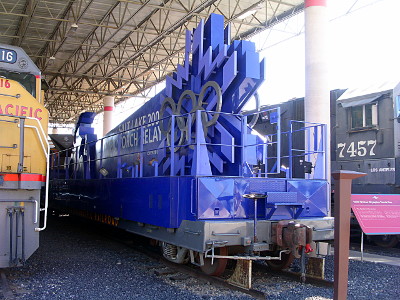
(262,185)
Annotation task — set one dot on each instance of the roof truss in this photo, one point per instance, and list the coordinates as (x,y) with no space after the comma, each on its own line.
(87,49)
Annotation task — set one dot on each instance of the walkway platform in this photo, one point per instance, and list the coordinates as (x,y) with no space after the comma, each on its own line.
(356,255)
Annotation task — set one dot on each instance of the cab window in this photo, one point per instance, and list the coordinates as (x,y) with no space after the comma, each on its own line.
(364,116)
(28,81)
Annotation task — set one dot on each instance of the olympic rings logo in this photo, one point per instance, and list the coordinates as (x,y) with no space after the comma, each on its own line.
(181,108)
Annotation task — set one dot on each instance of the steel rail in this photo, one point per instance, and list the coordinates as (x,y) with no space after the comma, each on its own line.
(5,287)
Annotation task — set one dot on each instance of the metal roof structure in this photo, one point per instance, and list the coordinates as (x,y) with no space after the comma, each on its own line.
(87,49)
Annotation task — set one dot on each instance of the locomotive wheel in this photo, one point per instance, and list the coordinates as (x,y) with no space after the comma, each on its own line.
(284,263)
(219,265)
(385,241)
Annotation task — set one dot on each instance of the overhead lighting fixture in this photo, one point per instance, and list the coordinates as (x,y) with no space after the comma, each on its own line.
(74,27)
(149,71)
(72,30)
(246,14)
(51,61)
(249,11)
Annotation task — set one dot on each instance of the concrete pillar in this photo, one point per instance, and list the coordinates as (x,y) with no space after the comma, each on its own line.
(54,130)
(317,95)
(108,114)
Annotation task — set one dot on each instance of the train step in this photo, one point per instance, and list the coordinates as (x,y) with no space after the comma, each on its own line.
(258,247)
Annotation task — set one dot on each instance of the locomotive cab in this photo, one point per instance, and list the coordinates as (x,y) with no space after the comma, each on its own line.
(367,135)
(23,155)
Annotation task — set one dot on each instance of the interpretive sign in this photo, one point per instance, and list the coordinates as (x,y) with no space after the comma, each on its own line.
(377,214)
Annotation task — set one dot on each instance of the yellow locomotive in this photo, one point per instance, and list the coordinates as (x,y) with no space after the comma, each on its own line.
(24,153)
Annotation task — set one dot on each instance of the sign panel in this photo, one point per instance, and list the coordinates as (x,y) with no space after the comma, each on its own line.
(8,56)
(377,213)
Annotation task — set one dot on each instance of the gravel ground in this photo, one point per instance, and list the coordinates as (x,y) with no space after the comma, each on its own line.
(75,262)
(366,281)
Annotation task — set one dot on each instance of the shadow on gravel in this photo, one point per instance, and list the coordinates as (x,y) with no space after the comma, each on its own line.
(78,260)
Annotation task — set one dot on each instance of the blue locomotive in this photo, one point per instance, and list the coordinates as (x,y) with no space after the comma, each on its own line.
(188,170)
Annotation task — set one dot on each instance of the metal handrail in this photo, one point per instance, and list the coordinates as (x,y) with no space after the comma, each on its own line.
(307,128)
(47,155)
(172,146)
(189,141)
(43,143)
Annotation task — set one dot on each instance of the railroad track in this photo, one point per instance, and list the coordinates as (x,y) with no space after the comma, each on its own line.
(193,272)
(174,271)
(6,292)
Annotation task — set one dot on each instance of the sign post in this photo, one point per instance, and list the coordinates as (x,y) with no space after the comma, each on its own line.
(343,181)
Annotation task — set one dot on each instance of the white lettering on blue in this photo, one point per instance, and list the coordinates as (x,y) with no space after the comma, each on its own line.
(131,130)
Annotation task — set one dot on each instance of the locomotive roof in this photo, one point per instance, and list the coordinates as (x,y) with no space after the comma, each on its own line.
(369,92)
(21,63)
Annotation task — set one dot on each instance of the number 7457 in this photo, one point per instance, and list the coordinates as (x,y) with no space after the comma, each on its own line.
(360,148)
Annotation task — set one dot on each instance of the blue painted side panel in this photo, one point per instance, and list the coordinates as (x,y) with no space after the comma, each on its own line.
(313,194)
(222,198)
(166,201)
(160,201)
